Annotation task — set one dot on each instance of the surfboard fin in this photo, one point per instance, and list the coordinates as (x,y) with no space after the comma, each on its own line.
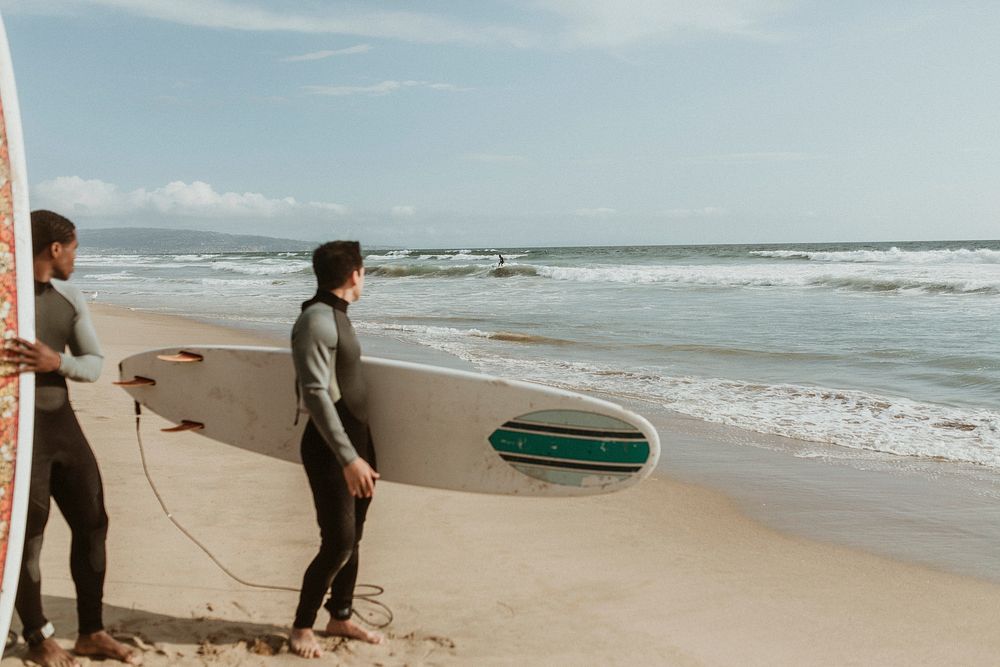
(185,425)
(137,381)
(181,357)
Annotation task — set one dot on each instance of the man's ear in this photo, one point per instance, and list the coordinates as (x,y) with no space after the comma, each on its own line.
(55,249)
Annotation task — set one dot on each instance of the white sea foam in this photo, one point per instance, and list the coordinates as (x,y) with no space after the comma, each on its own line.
(263,267)
(114,260)
(111,277)
(463,256)
(851,419)
(237,282)
(388,255)
(939,279)
(890,256)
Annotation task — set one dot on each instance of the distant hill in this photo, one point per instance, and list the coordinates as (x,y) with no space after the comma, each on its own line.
(157,240)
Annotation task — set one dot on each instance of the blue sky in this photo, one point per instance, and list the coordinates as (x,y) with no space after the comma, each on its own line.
(517,122)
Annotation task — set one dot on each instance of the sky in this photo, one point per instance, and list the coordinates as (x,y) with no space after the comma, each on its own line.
(507,123)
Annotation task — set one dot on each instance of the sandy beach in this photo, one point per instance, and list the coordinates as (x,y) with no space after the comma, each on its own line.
(668,573)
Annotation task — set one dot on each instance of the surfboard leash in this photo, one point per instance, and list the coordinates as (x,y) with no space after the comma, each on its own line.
(367,594)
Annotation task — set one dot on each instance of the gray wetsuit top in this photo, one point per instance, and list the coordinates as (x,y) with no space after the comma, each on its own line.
(327,357)
(62,321)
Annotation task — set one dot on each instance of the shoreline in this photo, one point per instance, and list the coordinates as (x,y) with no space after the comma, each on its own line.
(668,572)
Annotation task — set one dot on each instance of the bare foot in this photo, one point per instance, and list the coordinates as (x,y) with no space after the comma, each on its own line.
(102,645)
(304,644)
(352,630)
(51,654)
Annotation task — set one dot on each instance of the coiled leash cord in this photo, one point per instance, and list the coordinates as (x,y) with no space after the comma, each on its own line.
(367,593)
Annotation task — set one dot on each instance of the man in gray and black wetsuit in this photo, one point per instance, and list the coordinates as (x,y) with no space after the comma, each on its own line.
(63,466)
(337,449)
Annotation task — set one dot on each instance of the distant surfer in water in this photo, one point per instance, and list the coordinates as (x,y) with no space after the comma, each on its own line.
(63,466)
(501,262)
(337,449)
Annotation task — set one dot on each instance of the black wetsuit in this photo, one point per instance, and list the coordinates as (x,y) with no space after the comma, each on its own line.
(63,466)
(327,359)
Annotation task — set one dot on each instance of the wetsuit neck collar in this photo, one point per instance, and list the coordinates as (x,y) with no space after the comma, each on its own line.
(41,287)
(329,298)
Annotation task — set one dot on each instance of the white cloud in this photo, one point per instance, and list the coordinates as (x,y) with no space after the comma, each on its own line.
(76,196)
(599,23)
(772,156)
(320,55)
(595,212)
(705,212)
(383,88)
(319,19)
(403,211)
(578,23)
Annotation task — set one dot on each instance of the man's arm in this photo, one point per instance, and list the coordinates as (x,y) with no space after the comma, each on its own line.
(313,346)
(85,359)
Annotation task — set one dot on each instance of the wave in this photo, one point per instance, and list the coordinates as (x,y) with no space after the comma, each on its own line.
(891,256)
(851,278)
(120,276)
(389,254)
(452,332)
(955,279)
(855,420)
(485,256)
(236,282)
(457,271)
(263,267)
(847,418)
(195,258)
(904,284)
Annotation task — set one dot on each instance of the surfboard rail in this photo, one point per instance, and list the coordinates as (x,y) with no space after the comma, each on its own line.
(17,318)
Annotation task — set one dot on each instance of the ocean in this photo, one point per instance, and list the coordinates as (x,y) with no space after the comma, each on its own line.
(873,351)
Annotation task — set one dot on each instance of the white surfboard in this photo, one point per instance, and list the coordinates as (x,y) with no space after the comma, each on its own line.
(431,426)
(17,318)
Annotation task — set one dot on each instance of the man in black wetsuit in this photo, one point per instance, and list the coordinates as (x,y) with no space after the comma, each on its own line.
(337,450)
(63,466)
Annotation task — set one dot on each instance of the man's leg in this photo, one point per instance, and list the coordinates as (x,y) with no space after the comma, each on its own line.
(341,601)
(79,492)
(29,587)
(335,516)
(42,646)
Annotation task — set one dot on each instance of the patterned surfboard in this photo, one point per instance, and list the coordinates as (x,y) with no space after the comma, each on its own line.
(17,318)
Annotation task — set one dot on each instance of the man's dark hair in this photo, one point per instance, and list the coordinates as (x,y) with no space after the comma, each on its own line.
(334,262)
(48,228)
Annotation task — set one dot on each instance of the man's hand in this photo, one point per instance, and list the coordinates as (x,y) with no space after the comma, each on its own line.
(28,357)
(360,478)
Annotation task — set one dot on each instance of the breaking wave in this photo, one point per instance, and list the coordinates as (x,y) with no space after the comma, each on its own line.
(456,271)
(890,256)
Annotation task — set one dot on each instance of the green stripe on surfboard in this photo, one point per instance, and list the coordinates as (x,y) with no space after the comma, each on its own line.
(569,448)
